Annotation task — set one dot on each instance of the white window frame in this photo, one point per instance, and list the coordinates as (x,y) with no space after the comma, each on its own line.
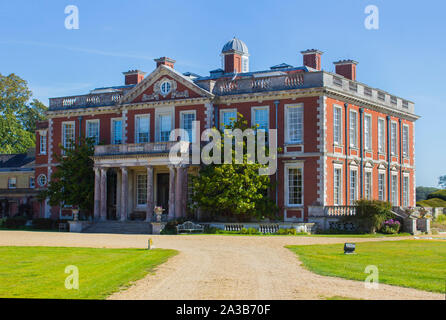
(158,124)
(112,128)
(40,177)
(339,193)
(381,136)
(42,142)
(394,190)
(393,138)
(12,185)
(253,115)
(65,142)
(368,141)
(405,140)
(297,165)
(300,107)
(192,134)
(353,129)
(223,111)
(337,132)
(368,185)
(382,193)
(355,189)
(139,116)
(97,139)
(138,204)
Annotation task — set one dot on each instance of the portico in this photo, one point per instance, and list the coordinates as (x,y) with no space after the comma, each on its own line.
(129,186)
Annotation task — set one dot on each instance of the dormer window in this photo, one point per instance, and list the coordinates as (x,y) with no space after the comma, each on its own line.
(165,87)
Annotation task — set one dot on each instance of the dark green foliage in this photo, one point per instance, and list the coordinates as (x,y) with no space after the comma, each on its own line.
(16,222)
(73,180)
(423,192)
(370,215)
(43,224)
(440,194)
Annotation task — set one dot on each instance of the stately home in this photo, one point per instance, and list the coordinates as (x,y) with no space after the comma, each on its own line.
(340,140)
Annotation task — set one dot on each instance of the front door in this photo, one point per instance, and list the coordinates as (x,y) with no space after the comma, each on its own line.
(162,185)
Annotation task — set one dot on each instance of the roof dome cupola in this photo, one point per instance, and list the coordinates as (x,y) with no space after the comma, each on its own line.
(235,56)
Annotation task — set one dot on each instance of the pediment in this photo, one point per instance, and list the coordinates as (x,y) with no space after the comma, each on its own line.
(164,84)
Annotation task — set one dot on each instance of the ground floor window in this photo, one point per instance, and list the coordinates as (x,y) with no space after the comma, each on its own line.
(406,191)
(395,190)
(295,185)
(368,185)
(353,186)
(337,186)
(141,189)
(381,186)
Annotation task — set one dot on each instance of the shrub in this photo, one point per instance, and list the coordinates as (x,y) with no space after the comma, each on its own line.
(2,222)
(370,215)
(210,230)
(391,226)
(43,224)
(16,222)
(287,231)
(170,228)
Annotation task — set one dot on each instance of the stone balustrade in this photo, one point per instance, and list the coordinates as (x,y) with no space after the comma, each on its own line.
(87,100)
(137,148)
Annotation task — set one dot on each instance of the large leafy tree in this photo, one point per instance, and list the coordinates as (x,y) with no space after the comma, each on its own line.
(72,183)
(18,116)
(232,189)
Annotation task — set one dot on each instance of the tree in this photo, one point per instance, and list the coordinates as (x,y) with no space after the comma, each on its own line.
(442,182)
(72,183)
(235,190)
(18,117)
(423,192)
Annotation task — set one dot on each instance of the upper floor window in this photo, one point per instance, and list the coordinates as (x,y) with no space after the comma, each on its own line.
(294,176)
(393,138)
(353,129)
(260,118)
(405,141)
(187,124)
(294,116)
(32,182)
(42,142)
(368,185)
(142,127)
(42,180)
(165,126)
(368,132)
(12,183)
(116,131)
(337,125)
(381,136)
(68,138)
(92,128)
(227,117)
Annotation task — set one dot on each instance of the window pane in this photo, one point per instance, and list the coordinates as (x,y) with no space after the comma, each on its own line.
(337,186)
(337,121)
(381,136)
(353,130)
(261,119)
(353,186)
(141,189)
(165,127)
(367,132)
(93,131)
(295,124)
(68,135)
(186,123)
(228,117)
(294,186)
(142,129)
(117,132)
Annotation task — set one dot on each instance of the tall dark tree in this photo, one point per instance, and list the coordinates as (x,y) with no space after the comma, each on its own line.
(72,183)
(18,116)
(442,182)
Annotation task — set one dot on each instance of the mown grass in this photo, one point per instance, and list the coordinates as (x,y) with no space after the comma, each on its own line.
(39,272)
(419,264)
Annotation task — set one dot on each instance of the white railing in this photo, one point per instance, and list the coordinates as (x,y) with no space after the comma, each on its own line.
(130,148)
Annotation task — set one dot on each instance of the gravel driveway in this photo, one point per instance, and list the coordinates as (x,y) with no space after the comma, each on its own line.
(224,267)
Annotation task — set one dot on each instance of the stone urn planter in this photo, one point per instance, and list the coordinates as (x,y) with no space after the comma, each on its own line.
(75,215)
(158,213)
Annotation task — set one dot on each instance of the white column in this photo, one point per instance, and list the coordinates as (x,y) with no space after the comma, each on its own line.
(103,194)
(124,193)
(97,193)
(179,192)
(171,214)
(149,211)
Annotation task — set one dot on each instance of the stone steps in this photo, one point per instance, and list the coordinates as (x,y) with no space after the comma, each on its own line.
(120,227)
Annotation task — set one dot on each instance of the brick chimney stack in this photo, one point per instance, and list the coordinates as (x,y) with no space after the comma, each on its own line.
(312,58)
(346,68)
(165,61)
(134,76)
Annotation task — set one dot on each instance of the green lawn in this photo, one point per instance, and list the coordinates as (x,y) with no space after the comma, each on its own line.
(39,272)
(419,264)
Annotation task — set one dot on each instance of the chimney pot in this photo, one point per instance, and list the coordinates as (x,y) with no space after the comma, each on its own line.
(346,68)
(312,58)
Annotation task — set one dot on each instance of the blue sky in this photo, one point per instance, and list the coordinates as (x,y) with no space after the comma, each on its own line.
(405,56)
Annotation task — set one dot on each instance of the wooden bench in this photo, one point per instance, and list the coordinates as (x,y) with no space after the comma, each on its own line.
(189,226)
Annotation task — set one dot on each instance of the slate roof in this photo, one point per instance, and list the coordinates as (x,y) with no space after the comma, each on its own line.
(14,162)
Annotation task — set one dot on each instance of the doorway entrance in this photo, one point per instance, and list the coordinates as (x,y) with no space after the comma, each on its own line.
(162,185)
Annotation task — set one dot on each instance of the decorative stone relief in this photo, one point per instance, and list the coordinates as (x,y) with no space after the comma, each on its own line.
(157,91)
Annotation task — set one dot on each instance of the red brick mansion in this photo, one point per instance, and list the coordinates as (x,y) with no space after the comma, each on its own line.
(340,140)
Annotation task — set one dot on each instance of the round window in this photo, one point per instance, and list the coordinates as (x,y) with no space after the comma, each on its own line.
(41,180)
(165,87)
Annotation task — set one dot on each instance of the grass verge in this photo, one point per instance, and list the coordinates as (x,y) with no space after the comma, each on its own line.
(39,272)
(419,264)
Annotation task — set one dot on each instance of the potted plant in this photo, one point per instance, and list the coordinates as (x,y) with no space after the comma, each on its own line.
(158,213)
